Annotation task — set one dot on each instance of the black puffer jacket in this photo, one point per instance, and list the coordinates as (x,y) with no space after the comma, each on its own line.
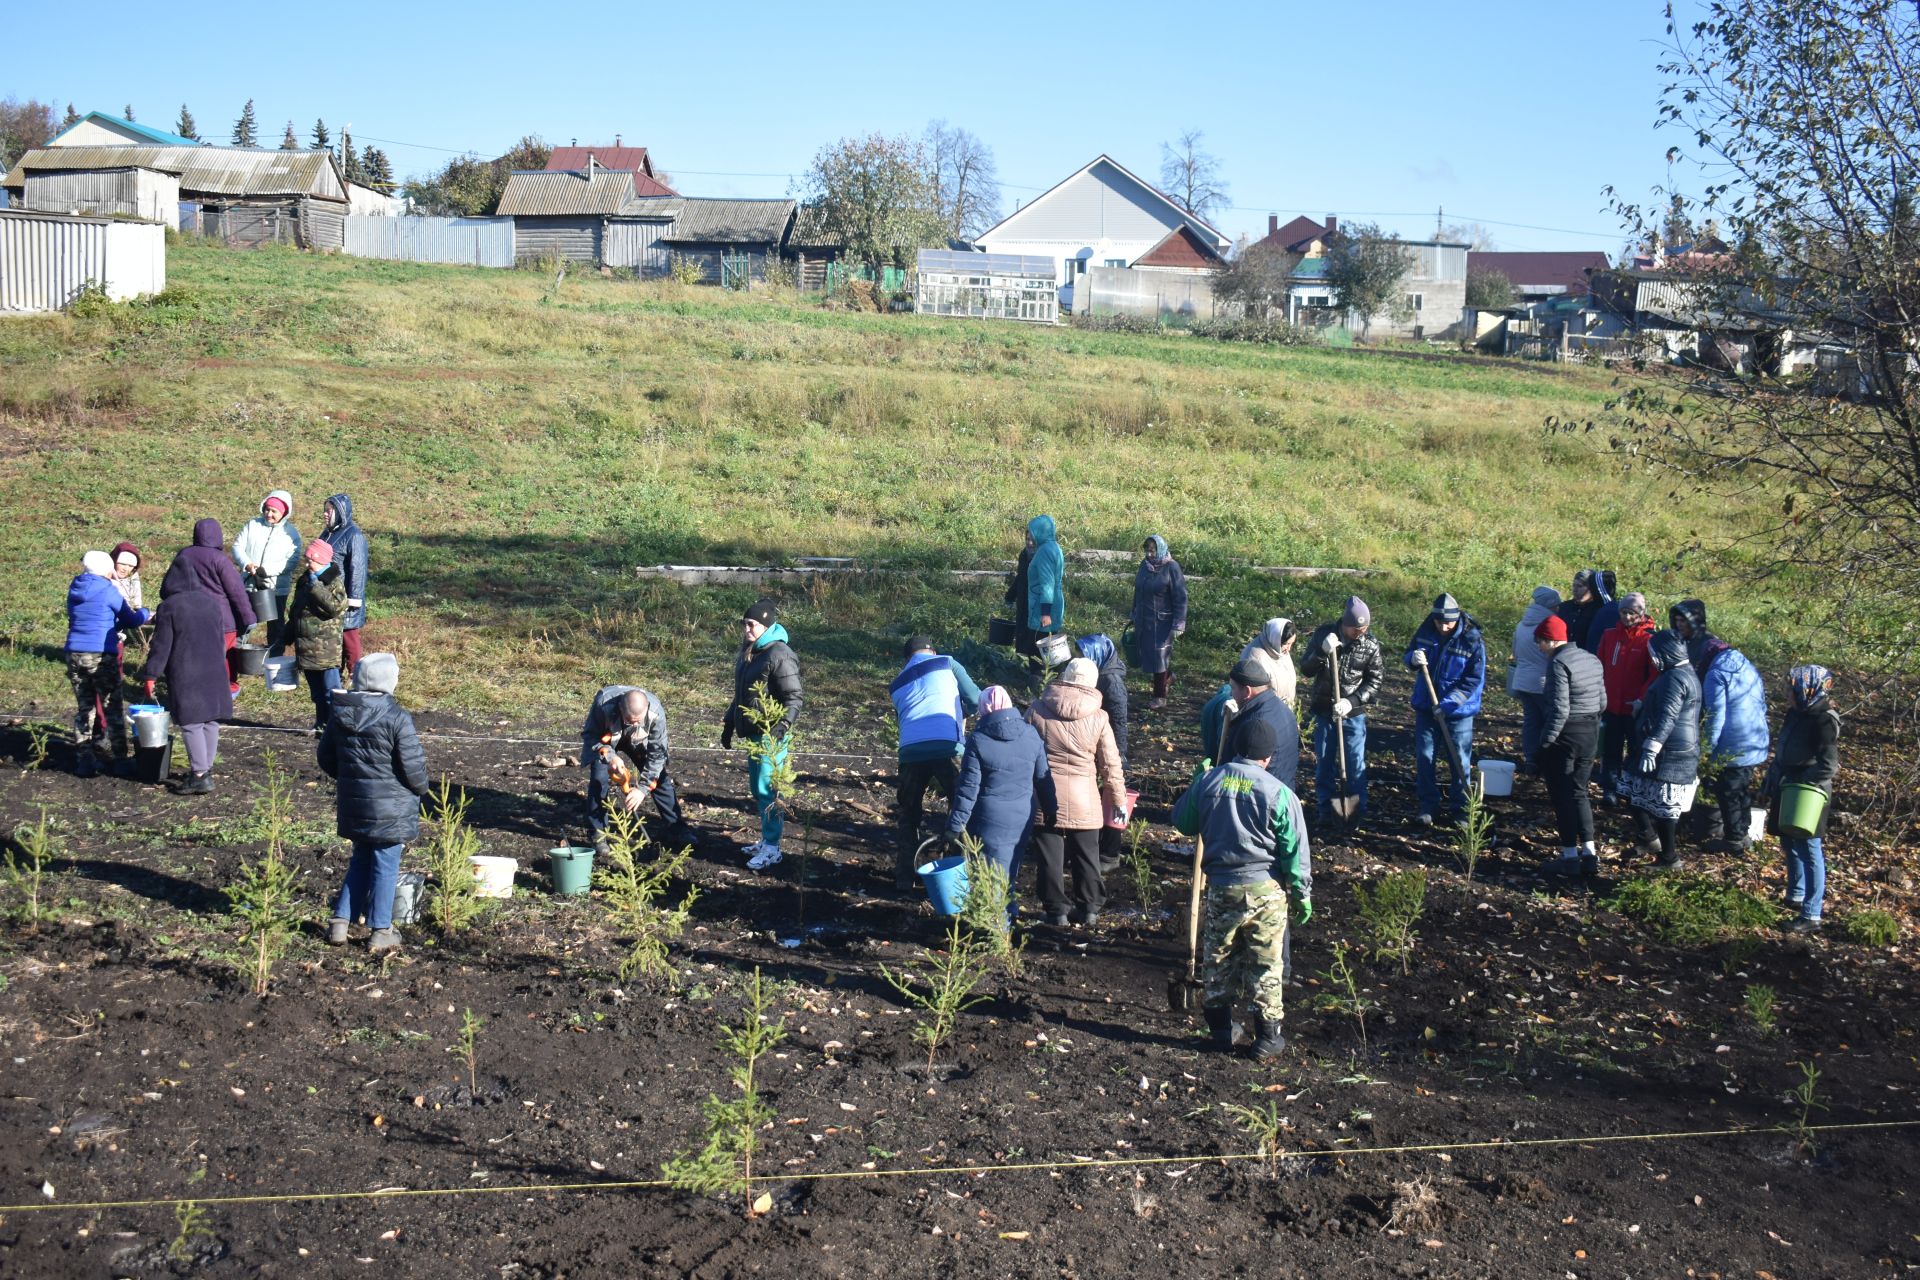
(1576,691)
(772,664)
(1361,670)
(371,751)
(1670,712)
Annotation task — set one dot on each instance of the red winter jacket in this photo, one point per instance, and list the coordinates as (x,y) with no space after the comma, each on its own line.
(1629,671)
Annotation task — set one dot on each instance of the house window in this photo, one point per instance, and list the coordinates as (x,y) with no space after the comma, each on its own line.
(1415,299)
(1116,262)
(1319,300)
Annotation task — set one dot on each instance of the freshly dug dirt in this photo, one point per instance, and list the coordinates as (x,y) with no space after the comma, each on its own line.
(137,1065)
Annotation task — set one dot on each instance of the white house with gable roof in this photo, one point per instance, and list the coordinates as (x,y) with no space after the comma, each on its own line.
(1102,216)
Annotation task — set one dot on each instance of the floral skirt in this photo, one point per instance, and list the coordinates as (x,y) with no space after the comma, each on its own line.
(1661,799)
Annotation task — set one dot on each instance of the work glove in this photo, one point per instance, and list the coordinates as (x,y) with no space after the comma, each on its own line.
(149,688)
(1343,708)
(726,738)
(1180,630)
(1649,757)
(1419,658)
(1332,642)
(1302,910)
(631,801)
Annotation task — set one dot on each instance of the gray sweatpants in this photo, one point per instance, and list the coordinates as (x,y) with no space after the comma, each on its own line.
(203,744)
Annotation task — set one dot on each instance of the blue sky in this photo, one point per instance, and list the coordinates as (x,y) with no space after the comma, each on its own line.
(1499,111)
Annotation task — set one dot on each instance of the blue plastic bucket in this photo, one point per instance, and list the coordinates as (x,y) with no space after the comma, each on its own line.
(946,881)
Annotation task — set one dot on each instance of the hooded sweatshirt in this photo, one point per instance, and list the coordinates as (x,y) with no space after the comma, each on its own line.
(350,553)
(1268,649)
(1046,578)
(1529,671)
(96,609)
(214,572)
(1081,756)
(274,547)
(770,663)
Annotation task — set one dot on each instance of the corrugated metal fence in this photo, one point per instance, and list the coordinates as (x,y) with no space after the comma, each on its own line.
(45,261)
(472,242)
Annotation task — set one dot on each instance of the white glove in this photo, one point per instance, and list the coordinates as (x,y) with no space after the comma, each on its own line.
(1419,657)
(1332,643)
(1343,708)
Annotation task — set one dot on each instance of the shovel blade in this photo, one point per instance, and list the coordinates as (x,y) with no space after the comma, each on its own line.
(1346,806)
(1184,994)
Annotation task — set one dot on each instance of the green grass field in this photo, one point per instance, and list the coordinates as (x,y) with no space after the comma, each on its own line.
(515,447)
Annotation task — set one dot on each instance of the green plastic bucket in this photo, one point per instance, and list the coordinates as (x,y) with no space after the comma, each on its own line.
(1801,808)
(572,870)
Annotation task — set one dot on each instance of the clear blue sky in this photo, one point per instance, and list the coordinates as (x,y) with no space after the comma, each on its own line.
(1500,111)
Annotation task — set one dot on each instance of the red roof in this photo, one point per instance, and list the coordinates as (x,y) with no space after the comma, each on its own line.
(1565,269)
(1298,232)
(1181,248)
(629,159)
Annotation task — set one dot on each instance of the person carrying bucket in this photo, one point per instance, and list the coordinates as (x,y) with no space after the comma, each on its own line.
(1003,780)
(626,729)
(95,612)
(189,653)
(267,550)
(313,615)
(1808,756)
(765,664)
(216,573)
(1088,785)
(932,697)
(370,750)
(1250,826)
(1046,602)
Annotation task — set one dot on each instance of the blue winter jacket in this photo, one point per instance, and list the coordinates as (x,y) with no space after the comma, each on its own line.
(350,554)
(932,696)
(95,610)
(1458,665)
(1002,777)
(1734,720)
(1046,578)
(1284,764)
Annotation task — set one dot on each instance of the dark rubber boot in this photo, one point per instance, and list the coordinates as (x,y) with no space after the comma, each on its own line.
(1268,1041)
(1220,1028)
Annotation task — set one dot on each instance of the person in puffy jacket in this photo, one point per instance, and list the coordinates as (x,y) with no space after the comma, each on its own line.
(765,664)
(1111,681)
(1046,579)
(1447,648)
(1527,674)
(189,652)
(96,611)
(1272,648)
(629,723)
(1347,644)
(932,697)
(1664,773)
(350,553)
(1606,617)
(1003,779)
(1580,608)
(267,550)
(1733,733)
(1251,827)
(1569,735)
(212,569)
(1809,755)
(1256,702)
(1159,615)
(1024,641)
(1088,784)
(1629,672)
(370,749)
(313,616)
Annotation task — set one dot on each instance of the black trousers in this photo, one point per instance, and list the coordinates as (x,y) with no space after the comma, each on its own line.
(1060,853)
(665,798)
(1565,766)
(1616,735)
(1722,814)
(910,805)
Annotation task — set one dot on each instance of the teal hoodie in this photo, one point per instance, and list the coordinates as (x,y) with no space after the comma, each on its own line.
(1046,578)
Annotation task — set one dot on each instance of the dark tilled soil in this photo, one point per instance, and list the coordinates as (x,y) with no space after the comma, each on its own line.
(137,1065)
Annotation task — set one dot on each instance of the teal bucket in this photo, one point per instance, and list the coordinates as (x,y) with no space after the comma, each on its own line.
(572,868)
(946,881)
(1801,808)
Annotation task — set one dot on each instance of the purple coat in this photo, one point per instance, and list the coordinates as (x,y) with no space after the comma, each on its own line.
(190,649)
(211,570)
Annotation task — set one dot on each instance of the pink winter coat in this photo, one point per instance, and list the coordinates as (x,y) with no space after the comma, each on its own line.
(1081,754)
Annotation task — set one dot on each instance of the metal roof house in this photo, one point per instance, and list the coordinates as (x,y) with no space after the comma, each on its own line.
(596,215)
(633,160)
(1538,276)
(1101,215)
(98,129)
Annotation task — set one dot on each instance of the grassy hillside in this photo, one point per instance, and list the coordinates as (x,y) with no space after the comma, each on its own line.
(515,446)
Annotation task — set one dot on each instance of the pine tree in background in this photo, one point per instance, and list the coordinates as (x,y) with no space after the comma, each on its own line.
(322,140)
(128,112)
(245,133)
(71,118)
(350,167)
(186,128)
(378,170)
(289,142)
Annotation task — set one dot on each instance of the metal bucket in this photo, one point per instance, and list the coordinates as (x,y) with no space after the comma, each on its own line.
(153,728)
(250,659)
(409,893)
(1054,649)
(266,606)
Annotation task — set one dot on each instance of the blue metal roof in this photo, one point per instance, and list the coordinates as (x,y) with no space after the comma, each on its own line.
(1310,269)
(159,136)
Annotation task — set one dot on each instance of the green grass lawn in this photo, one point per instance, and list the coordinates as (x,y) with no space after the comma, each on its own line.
(515,447)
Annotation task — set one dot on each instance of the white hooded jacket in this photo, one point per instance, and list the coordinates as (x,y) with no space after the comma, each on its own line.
(275,548)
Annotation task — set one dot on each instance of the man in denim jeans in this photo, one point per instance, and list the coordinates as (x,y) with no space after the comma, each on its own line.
(370,749)
(1448,659)
(1343,660)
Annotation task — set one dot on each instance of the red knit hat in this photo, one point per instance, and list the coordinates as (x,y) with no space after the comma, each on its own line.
(1552,629)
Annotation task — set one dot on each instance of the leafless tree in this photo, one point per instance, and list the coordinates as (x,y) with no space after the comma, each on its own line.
(1471,234)
(965,180)
(1190,176)
(1257,278)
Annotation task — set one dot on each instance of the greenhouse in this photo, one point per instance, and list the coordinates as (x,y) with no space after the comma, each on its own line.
(987,286)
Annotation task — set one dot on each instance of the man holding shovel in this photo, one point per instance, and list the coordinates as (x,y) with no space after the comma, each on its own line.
(1250,828)
(1449,662)
(1344,661)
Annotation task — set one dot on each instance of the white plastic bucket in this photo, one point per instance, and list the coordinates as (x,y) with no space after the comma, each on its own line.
(496,876)
(1054,649)
(1496,777)
(1756,825)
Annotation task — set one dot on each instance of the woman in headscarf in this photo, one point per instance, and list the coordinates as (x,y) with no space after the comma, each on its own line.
(1665,759)
(96,611)
(190,653)
(1088,784)
(1159,614)
(1527,673)
(1809,754)
(1273,649)
(1003,775)
(126,577)
(268,553)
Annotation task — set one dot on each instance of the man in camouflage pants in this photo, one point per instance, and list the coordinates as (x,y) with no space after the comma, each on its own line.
(1247,821)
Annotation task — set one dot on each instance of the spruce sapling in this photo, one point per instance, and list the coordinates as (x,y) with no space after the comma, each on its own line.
(1470,838)
(950,977)
(26,869)
(456,900)
(262,895)
(988,909)
(632,891)
(723,1162)
(467,1048)
(1390,908)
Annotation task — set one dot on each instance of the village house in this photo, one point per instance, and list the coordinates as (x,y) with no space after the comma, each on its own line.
(1435,287)
(1536,277)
